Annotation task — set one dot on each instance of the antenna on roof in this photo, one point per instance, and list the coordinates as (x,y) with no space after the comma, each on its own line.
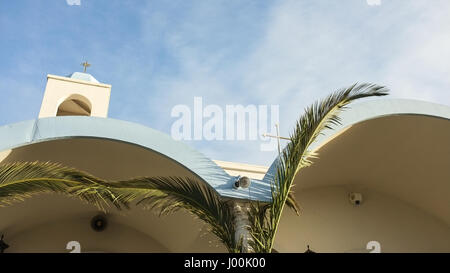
(278,137)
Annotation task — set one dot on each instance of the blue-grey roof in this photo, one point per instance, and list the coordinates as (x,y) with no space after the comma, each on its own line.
(363,111)
(83,77)
(47,129)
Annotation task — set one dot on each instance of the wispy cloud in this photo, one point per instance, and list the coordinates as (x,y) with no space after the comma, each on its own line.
(73,2)
(373,2)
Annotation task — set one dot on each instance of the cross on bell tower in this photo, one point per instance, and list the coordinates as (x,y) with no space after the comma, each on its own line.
(85,65)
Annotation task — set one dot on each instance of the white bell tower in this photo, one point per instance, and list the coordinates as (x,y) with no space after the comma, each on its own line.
(79,94)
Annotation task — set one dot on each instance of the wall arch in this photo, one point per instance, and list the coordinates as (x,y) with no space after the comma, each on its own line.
(74,105)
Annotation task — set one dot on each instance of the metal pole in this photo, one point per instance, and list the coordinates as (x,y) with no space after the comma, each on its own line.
(278,138)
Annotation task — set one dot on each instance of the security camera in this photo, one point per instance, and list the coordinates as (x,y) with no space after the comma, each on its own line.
(242,182)
(355,198)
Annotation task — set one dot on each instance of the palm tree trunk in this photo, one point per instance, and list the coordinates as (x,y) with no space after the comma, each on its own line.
(242,224)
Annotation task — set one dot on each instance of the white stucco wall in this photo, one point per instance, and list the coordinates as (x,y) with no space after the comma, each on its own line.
(59,89)
(330,223)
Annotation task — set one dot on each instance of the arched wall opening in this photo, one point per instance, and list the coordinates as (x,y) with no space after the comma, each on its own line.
(74,105)
(399,163)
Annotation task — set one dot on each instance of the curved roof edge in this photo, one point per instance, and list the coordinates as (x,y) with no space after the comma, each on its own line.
(48,129)
(363,111)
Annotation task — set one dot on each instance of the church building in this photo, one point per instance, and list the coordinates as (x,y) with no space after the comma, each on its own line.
(392,195)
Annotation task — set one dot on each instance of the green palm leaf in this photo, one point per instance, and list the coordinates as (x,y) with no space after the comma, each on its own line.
(291,202)
(21,180)
(264,220)
(170,194)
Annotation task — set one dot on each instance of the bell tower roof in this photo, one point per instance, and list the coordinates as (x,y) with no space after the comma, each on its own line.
(83,76)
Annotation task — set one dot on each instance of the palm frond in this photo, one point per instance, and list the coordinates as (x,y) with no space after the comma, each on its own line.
(20,180)
(291,202)
(170,194)
(319,116)
(259,227)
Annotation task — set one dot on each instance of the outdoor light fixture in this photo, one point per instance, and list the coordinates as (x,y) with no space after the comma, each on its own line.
(3,245)
(99,223)
(242,182)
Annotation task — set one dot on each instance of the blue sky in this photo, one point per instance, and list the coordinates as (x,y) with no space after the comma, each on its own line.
(157,54)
